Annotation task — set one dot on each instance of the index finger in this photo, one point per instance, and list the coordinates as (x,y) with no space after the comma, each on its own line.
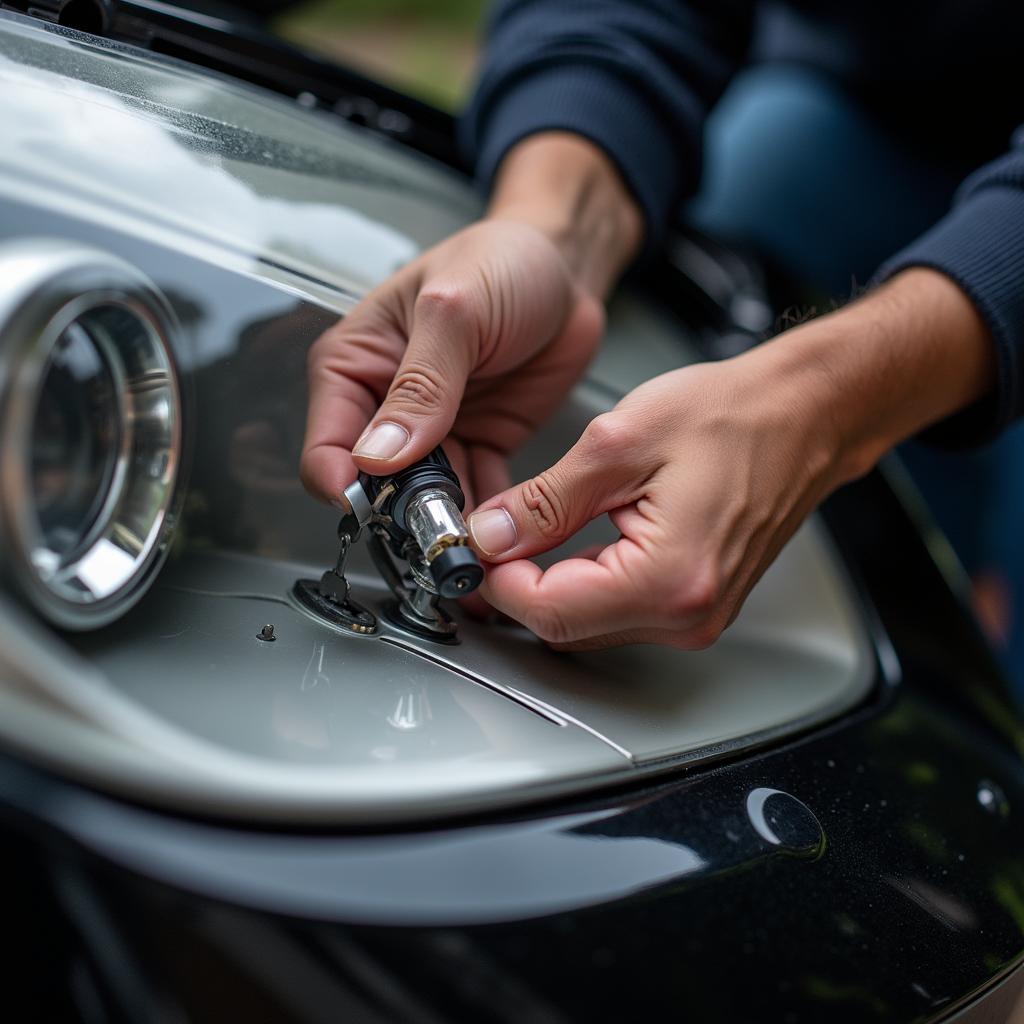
(349,370)
(337,415)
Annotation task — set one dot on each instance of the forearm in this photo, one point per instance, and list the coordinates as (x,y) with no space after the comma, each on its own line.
(905,356)
(979,244)
(567,188)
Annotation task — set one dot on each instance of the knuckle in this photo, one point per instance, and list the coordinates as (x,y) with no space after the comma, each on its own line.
(447,303)
(547,621)
(703,635)
(320,350)
(417,388)
(610,433)
(333,348)
(696,599)
(544,505)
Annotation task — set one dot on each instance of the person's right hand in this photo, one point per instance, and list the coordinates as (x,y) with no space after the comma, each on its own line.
(473,344)
(477,341)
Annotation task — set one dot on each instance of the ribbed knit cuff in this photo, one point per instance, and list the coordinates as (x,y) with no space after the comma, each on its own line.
(980,246)
(601,106)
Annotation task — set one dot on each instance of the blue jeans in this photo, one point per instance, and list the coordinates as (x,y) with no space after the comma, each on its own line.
(797,170)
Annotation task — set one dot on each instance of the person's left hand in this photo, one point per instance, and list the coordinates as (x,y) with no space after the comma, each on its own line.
(708,471)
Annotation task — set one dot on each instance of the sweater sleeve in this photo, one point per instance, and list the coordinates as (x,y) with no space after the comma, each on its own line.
(979,244)
(635,78)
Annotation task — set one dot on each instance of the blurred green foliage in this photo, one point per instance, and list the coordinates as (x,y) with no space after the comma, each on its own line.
(421,47)
(450,12)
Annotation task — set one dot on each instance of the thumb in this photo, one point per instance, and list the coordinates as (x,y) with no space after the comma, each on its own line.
(605,470)
(418,411)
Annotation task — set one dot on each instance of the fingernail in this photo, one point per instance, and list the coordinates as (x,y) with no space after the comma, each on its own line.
(493,531)
(383,441)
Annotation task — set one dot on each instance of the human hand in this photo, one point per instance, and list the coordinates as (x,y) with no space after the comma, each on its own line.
(476,342)
(705,475)
(473,344)
(707,471)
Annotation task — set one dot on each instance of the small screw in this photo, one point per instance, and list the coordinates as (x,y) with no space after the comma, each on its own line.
(266,633)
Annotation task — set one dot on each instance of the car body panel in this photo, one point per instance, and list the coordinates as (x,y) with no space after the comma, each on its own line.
(260,222)
(862,864)
(96,127)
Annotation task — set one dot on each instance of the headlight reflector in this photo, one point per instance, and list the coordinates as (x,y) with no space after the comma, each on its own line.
(77,429)
(90,423)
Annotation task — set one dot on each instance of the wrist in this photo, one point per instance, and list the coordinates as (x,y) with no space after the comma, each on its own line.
(878,371)
(805,372)
(565,187)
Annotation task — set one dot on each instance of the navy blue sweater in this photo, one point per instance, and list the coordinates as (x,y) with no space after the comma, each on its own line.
(638,78)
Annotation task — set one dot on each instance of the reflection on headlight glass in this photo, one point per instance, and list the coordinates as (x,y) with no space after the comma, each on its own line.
(75,440)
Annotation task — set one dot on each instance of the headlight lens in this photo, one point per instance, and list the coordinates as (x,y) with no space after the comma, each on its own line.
(90,413)
(76,435)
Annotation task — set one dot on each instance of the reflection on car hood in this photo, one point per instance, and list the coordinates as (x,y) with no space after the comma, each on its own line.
(113,132)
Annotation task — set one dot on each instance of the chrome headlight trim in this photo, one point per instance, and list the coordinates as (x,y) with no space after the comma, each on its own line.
(49,289)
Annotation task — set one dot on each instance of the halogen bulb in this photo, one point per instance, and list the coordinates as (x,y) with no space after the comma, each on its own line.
(436,524)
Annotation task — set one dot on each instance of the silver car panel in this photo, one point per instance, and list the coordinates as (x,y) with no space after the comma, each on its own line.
(261,223)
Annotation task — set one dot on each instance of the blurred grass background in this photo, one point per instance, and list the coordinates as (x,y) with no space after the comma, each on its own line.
(423,48)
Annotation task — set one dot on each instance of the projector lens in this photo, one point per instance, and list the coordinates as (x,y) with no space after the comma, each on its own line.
(90,414)
(75,440)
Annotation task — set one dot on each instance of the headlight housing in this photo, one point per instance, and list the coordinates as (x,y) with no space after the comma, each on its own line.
(90,426)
